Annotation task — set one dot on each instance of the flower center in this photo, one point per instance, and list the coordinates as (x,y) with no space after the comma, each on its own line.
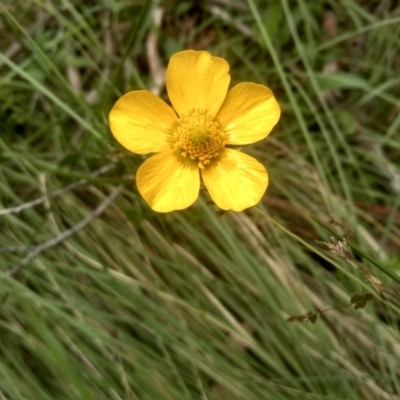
(198,137)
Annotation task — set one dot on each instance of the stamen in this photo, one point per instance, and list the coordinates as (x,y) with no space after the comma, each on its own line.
(198,136)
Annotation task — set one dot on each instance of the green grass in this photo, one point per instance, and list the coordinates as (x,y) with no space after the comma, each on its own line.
(193,304)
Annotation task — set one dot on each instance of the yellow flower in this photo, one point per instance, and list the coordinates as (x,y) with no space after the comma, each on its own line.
(192,137)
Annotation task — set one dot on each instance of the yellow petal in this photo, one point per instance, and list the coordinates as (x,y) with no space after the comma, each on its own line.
(237,181)
(167,183)
(249,113)
(140,121)
(196,80)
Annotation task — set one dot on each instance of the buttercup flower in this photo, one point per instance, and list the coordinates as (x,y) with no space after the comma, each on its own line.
(193,137)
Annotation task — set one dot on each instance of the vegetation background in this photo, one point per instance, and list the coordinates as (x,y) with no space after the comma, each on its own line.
(101,298)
